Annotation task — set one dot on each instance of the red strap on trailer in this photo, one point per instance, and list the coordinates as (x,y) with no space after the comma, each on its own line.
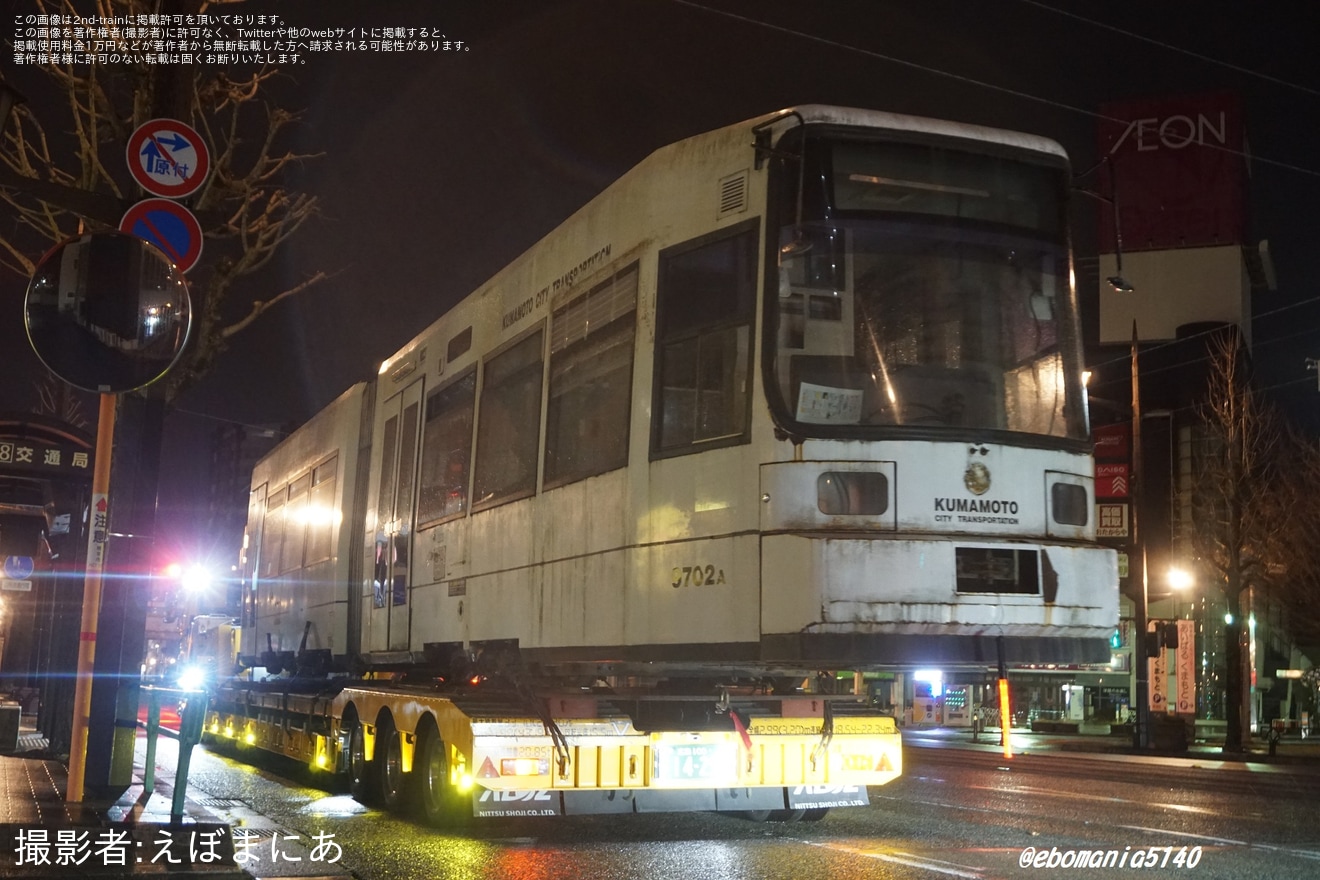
(742,729)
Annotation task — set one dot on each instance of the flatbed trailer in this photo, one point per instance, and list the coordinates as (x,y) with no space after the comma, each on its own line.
(496,752)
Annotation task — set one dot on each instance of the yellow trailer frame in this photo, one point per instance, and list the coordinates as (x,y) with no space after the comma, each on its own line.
(508,758)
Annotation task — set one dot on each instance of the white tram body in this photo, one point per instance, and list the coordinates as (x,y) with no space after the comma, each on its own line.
(800,393)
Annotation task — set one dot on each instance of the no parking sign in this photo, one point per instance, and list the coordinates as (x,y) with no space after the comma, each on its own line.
(169,226)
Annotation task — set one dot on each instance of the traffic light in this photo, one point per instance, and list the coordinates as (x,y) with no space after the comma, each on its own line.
(1165,635)
(1169,634)
(1116,640)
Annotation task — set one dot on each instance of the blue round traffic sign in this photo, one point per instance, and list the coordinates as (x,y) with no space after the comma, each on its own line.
(169,226)
(19,568)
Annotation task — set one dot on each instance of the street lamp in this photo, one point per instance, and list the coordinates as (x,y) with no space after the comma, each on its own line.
(1141,738)
(1141,683)
(1180,578)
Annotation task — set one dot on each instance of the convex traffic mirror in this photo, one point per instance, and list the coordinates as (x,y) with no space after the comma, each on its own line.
(107,312)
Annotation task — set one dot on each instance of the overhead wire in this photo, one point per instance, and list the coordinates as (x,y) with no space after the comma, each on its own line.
(1018,93)
(1159,346)
(1180,50)
(971,80)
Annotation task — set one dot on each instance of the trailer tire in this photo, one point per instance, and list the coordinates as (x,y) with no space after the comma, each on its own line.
(439,805)
(391,781)
(788,815)
(360,770)
(814,814)
(773,815)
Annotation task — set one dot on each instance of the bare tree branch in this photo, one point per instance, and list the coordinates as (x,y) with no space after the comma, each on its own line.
(259,307)
(77,176)
(1256,511)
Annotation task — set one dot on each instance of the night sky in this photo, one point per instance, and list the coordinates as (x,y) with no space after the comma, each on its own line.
(439,169)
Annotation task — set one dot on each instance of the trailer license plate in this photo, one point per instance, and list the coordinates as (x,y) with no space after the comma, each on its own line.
(705,761)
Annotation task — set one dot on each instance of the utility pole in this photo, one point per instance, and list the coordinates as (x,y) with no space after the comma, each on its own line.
(1137,567)
(135,476)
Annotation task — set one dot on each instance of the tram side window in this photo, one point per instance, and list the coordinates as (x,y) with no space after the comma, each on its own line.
(706,303)
(320,512)
(273,548)
(295,524)
(447,451)
(591,355)
(509,426)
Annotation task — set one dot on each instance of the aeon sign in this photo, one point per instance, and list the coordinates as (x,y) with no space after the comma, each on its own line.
(1172,132)
(1179,165)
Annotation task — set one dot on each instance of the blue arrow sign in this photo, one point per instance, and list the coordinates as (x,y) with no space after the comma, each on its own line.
(167,158)
(19,568)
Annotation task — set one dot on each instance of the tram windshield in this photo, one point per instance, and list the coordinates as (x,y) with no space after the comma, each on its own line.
(923,286)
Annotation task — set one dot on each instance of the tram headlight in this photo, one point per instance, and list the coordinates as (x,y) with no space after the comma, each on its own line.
(852,493)
(1068,504)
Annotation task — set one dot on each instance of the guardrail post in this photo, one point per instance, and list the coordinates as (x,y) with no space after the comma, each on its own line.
(192,717)
(153,730)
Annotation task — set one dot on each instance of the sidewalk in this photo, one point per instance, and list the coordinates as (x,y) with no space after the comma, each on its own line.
(133,835)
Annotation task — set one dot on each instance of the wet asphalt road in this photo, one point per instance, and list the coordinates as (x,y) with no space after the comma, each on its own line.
(954,813)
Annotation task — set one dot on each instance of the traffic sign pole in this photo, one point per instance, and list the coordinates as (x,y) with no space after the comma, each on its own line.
(96,541)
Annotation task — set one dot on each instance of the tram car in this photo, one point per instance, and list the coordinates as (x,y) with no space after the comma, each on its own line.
(802,393)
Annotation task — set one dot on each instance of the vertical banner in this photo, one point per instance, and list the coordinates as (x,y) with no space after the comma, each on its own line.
(1158,674)
(1185,668)
(99,532)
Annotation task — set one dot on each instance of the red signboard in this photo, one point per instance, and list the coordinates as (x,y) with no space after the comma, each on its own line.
(1178,165)
(1111,480)
(1112,442)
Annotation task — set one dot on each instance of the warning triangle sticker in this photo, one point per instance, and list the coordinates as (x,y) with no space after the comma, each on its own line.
(488,770)
(885,763)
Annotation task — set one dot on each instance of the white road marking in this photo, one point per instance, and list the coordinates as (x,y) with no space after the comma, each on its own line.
(951,869)
(1228,841)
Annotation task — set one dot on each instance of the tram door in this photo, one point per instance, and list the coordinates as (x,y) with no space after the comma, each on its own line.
(249,557)
(391,556)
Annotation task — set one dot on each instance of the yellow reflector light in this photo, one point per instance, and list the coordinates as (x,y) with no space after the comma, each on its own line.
(250,738)
(321,760)
(229,731)
(465,782)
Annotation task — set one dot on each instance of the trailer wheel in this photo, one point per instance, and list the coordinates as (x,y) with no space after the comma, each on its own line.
(391,782)
(814,814)
(441,806)
(773,815)
(359,769)
(788,815)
